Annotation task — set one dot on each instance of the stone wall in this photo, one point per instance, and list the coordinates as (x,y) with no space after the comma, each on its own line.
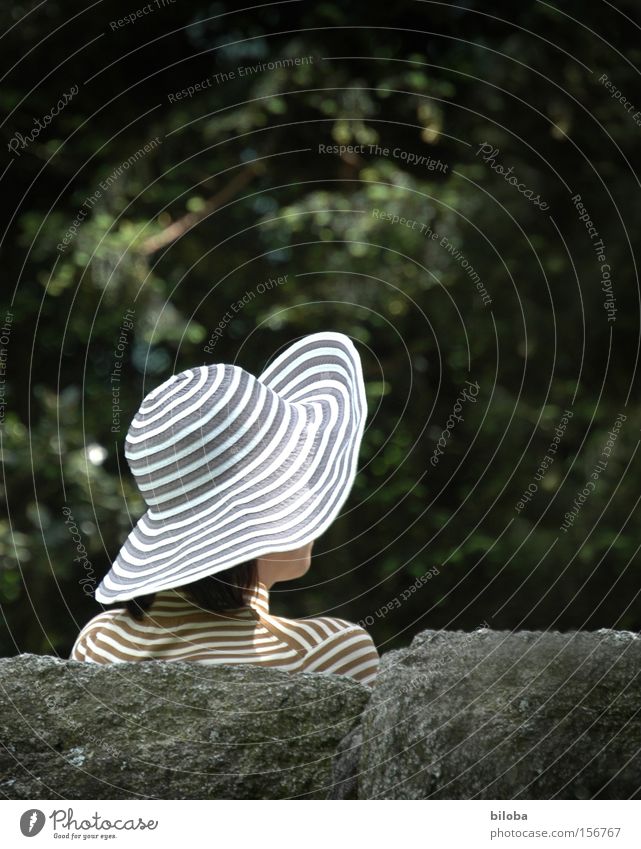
(168,730)
(455,715)
(499,715)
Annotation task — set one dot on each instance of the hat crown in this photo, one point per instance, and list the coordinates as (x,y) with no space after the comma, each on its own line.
(192,433)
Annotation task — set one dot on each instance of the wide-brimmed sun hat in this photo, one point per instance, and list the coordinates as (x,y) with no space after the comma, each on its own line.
(233,467)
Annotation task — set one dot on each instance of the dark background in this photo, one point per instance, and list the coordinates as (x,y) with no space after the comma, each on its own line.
(237,191)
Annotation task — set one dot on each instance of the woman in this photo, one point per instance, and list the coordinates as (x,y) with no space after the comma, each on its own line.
(240,475)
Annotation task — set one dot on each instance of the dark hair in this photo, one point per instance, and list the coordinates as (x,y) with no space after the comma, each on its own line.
(213,592)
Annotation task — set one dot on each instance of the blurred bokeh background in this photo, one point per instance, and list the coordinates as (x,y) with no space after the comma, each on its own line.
(160,161)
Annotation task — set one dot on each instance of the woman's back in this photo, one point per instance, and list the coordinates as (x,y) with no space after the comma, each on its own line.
(175,628)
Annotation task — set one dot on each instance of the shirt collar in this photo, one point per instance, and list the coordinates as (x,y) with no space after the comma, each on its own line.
(258,598)
(176,601)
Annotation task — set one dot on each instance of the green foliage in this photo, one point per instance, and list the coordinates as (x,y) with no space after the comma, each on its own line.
(238,174)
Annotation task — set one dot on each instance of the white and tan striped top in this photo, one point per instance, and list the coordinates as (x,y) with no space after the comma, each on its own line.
(175,628)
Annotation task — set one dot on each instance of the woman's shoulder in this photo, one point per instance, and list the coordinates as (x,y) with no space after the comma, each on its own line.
(333,625)
(349,650)
(103,618)
(107,617)
(335,630)
(317,629)
(333,645)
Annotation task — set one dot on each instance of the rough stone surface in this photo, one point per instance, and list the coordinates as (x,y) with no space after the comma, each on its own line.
(169,730)
(499,715)
(346,767)
(480,715)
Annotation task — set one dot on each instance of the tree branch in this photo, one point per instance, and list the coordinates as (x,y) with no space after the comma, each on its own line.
(182,225)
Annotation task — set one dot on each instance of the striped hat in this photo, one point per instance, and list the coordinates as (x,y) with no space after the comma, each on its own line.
(233,467)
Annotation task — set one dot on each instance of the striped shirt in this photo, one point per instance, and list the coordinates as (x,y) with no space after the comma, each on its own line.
(175,628)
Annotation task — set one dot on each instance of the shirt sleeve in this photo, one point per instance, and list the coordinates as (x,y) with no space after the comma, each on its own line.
(79,650)
(82,650)
(349,652)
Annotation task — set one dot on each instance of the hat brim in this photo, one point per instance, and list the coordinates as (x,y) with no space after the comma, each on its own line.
(320,378)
